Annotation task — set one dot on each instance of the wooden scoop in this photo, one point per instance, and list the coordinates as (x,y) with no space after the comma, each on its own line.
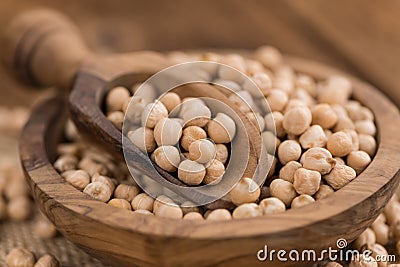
(45,48)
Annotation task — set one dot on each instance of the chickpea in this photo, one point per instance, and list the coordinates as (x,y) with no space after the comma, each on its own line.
(191,134)
(272,205)
(105,180)
(245,191)
(306,181)
(297,120)
(116,118)
(222,128)
(283,190)
(366,238)
(258,85)
(214,172)
(324,115)
(167,158)
(287,171)
(307,83)
(294,103)
(247,210)
(336,91)
(313,137)
(134,108)
(202,151)
(340,144)
(242,100)
(274,123)
(152,113)
(143,138)
(47,261)
(269,56)
(271,163)
(367,144)
(20,257)
(19,208)
(301,201)
(99,191)
(144,212)
(116,97)
(68,148)
(277,100)
(193,216)
(344,123)
(236,65)
(66,163)
(365,127)
(219,215)
(92,167)
(171,100)
(77,178)
(270,141)
(127,192)
(189,206)
(16,188)
(362,261)
(143,202)
(167,132)
(289,150)
(392,213)
(120,203)
(221,153)
(381,231)
(340,176)
(318,159)
(44,229)
(233,86)
(169,210)
(304,96)
(191,172)
(257,120)
(324,192)
(378,251)
(358,160)
(196,114)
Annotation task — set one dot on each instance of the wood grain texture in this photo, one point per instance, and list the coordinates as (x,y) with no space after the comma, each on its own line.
(121,238)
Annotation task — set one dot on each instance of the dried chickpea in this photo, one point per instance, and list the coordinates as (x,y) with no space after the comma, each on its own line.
(120,203)
(134,108)
(245,191)
(152,113)
(77,178)
(287,171)
(116,118)
(324,115)
(318,159)
(233,86)
(263,84)
(171,100)
(19,208)
(99,191)
(304,96)
(116,97)
(378,251)
(270,141)
(167,158)
(344,123)
(128,192)
(193,216)
(313,137)
(323,192)
(294,103)
(191,172)
(336,91)
(274,123)
(257,120)
(366,238)
(202,151)
(191,134)
(196,114)
(340,144)
(20,257)
(358,160)
(221,153)
(222,128)
(105,180)
(381,231)
(277,100)
(242,100)
(362,261)
(307,83)
(219,215)
(340,176)
(47,261)
(306,181)
(272,205)
(167,132)
(367,144)
(247,210)
(301,201)
(143,202)
(45,229)
(214,172)
(16,188)
(169,210)
(392,213)
(289,150)
(143,138)
(65,163)
(269,56)
(283,190)
(189,206)
(365,127)
(354,139)
(297,120)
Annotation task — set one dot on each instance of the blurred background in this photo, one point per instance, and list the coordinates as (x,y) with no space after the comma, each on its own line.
(359,36)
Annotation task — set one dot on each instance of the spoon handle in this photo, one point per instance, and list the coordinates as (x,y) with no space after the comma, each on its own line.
(44,48)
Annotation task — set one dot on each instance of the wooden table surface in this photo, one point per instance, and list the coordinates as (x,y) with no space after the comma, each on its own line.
(359,36)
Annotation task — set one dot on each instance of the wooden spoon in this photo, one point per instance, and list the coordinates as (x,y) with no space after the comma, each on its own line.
(45,48)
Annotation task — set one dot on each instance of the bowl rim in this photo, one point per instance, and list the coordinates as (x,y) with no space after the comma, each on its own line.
(371,181)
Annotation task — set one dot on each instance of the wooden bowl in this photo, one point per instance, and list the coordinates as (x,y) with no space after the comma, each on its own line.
(121,238)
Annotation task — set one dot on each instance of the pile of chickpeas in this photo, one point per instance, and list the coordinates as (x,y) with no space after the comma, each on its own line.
(21,257)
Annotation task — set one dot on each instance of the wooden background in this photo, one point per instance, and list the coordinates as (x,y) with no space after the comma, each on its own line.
(360,36)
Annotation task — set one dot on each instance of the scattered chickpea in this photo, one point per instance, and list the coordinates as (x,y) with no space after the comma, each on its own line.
(191,134)
(283,190)
(272,205)
(47,261)
(16,188)
(120,203)
(274,123)
(323,192)
(143,202)
(193,216)
(222,128)
(318,159)
(221,153)
(99,191)
(202,151)
(297,120)
(301,201)
(289,150)
(247,210)
(167,158)
(143,138)
(340,144)
(77,178)
(167,132)
(20,257)
(152,113)
(19,208)
(44,228)
(269,56)
(313,137)
(171,100)
(219,215)
(366,238)
(116,97)
(288,170)
(324,116)
(381,231)
(214,172)
(245,191)
(306,181)
(116,118)
(358,160)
